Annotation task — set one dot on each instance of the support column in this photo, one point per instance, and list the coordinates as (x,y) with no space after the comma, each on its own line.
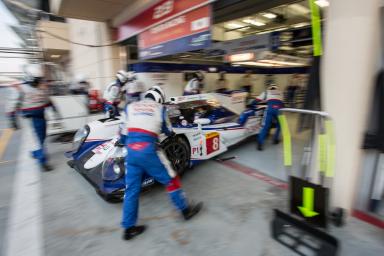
(350,63)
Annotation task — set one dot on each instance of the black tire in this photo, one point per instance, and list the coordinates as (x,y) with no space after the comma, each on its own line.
(178,153)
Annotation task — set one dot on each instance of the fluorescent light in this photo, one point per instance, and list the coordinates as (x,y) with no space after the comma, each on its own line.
(234,25)
(241,57)
(31,39)
(269,15)
(302,24)
(299,8)
(322,3)
(185,56)
(254,22)
(254,63)
(55,56)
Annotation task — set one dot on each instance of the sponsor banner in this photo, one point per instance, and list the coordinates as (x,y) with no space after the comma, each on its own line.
(193,22)
(189,43)
(160,12)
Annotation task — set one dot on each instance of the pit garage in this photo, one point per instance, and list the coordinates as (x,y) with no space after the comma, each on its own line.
(76,208)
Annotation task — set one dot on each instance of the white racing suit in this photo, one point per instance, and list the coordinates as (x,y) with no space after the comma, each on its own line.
(31,102)
(133,90)
(145,120)
(112,95)
(192,87)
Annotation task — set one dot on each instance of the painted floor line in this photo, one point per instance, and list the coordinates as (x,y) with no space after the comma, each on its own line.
(7,161)
(4,140)
(24,234)
(255,173)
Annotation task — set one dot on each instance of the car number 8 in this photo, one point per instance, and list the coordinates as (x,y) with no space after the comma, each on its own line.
(215,143)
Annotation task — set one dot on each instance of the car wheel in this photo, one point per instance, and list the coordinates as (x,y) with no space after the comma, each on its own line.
(178,152)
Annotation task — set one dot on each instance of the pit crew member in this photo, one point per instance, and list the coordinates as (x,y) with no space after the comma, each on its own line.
(145,120)
(113,93)
(30,98)
(274,99)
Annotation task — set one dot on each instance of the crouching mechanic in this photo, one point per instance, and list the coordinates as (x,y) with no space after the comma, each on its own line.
(113,93)
(30,98)
(145,120)
(273,97)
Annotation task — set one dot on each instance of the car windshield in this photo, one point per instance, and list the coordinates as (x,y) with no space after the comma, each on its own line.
(184,114)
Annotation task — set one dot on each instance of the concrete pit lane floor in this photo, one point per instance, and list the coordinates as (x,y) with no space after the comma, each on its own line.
(63,215)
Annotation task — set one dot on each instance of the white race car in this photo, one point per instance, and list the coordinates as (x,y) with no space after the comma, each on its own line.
(206,125)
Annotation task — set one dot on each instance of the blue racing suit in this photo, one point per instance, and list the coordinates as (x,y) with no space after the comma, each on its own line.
(31,102)
(274,101)
(145,120)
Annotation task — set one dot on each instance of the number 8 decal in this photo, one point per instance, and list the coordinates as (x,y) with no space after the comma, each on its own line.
(212,142)
(215,143)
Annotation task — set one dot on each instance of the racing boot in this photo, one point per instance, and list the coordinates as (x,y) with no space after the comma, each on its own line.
(131,232)
(259,146)
(192,210)
(46,167)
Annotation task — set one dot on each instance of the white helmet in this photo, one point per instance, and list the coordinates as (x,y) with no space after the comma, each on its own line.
(80,78)
(33,72)
(155,93)
(122,76)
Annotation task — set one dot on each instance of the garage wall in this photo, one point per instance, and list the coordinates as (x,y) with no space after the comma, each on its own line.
(99,64)
(173,83)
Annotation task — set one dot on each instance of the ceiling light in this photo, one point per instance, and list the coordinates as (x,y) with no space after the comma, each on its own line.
(31,39)
(322,3)
(299,8)
(255,63)
(55,56)
(299,25)
(185,56)
(234,25)
(254,22)
(269,15)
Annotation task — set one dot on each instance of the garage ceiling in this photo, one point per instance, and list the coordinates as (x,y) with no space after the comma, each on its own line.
(97,10)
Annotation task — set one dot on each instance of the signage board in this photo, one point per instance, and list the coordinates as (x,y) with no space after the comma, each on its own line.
(159,13)
(187,32)
(309,201)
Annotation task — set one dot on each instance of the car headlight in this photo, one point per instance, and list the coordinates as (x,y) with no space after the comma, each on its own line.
(113,169)
(80,137)
(116,169)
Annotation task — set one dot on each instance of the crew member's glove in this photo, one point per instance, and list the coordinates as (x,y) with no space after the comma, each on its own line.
(119,144)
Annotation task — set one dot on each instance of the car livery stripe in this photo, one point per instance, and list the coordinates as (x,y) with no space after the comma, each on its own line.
(142,131)
(224,128)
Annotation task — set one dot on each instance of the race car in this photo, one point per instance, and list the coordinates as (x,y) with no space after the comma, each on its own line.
(205,125)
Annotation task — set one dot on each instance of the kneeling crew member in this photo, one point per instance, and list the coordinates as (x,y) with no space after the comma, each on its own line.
(145,120)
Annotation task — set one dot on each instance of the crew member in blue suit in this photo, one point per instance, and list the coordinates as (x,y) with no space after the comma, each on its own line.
(273,97)
(30,98)
(145,120)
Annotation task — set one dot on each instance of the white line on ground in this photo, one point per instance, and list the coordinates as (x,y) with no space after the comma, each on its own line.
(24,232)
